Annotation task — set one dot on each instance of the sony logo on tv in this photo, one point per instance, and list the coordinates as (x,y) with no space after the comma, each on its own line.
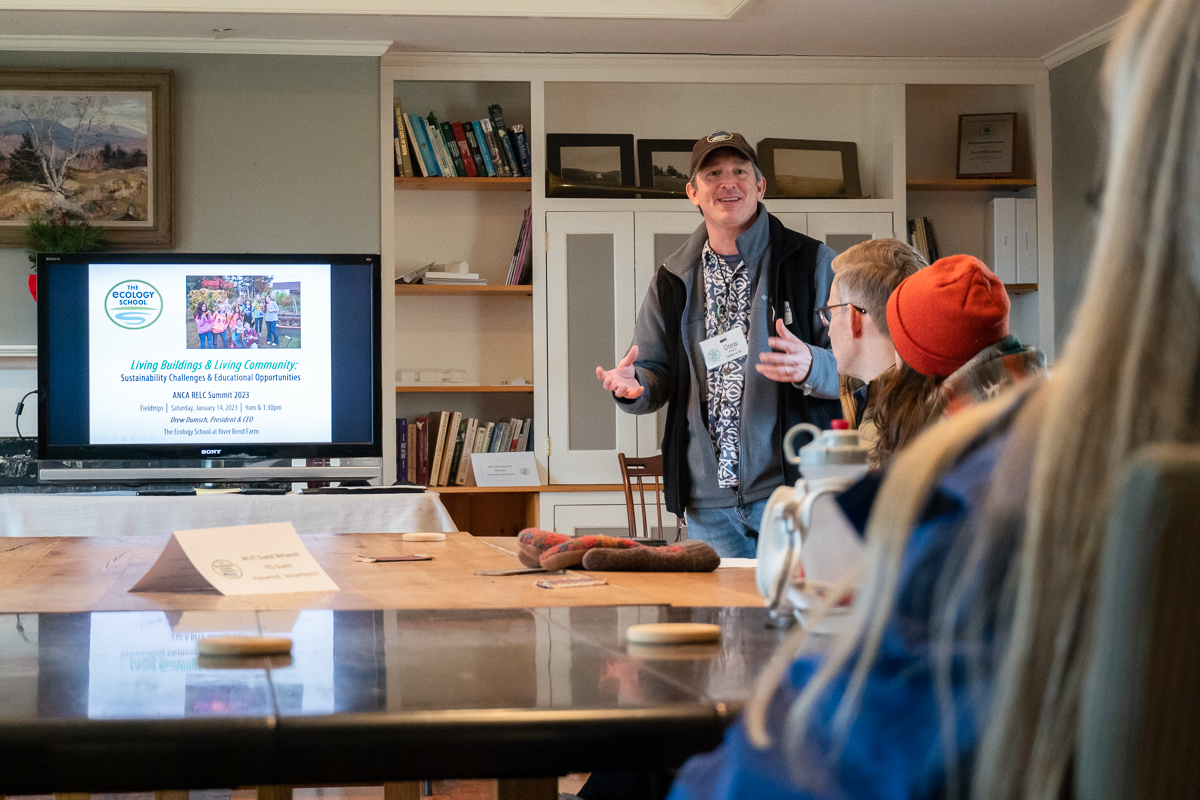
(210,452)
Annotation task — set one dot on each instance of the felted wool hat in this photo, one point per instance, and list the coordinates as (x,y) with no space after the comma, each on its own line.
(943,315)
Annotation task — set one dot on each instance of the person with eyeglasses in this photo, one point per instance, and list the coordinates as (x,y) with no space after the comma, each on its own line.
(864,276)
(728,340)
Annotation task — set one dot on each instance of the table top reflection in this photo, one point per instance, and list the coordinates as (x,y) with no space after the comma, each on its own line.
(120,701)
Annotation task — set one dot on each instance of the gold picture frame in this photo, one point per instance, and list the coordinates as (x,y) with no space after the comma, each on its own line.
(96,143)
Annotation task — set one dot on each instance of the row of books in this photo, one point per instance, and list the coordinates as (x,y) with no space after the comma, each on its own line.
(427,147)
(434,450)
(520,269)
(920,236)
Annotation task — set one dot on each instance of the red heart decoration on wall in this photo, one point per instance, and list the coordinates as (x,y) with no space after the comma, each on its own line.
(33,285)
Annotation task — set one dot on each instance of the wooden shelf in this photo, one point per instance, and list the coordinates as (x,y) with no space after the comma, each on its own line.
(466,184)
(451,387)
(970,184)
(558,487)
(1020,288)
(411,289)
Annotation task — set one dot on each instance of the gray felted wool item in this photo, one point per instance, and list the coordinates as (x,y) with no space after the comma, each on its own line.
(686,557)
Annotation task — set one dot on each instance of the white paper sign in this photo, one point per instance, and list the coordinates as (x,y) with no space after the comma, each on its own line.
(505,469)
(243,559)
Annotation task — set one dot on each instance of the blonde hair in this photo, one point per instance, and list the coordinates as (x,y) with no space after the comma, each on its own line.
(870,271)
(1128,378)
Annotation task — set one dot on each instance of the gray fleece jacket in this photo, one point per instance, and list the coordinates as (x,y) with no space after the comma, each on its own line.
(760,462)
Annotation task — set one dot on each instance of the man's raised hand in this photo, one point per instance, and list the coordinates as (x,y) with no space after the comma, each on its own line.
(622,380)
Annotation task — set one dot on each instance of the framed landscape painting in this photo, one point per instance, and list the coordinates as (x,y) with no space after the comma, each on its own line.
(95,144)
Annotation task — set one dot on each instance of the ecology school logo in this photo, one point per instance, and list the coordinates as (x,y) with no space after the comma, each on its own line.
(133,304)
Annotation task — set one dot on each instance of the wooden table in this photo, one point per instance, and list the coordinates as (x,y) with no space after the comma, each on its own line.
(435,672)
(63,574)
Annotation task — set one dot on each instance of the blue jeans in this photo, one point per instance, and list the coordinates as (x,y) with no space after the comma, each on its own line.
(272,334)
(732,532)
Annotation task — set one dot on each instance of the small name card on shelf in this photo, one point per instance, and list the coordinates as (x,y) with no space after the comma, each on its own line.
(505,469)
(242,559)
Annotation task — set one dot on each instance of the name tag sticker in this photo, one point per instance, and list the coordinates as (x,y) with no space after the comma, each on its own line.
(729,346)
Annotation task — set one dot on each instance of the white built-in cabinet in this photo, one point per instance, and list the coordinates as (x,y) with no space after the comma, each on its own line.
(594,258)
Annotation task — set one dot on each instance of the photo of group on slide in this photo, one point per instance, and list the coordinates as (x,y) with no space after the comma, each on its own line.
(242,312)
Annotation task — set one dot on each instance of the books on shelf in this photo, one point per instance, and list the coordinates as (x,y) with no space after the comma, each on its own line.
(484,148)
(520,269)
(404,167)
(402,448)
(443,441)
(518,134)
(920,236)
(454,273)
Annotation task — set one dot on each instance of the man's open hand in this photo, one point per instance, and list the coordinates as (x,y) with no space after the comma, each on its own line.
(621,380)
(790,360)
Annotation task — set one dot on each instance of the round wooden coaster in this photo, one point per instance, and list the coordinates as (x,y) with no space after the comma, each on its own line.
(243,645)
(673,633)
(700,651)
(423,537)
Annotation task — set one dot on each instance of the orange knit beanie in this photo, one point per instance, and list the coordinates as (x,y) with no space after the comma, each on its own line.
(940,317)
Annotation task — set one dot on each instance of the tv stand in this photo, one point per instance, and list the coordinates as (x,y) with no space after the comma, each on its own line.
(227,471)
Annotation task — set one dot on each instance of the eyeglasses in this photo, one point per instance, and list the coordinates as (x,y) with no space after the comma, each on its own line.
(823,311)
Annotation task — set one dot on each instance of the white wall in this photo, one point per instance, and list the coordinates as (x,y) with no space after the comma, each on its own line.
(273,153)
(1078,124)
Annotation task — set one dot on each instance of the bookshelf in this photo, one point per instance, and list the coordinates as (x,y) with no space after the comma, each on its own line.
(420,290)
(958,206)
(464,184)
(969,184)
(901,113)
(487,331)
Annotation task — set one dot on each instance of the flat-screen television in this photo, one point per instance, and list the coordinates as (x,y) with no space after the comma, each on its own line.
(209,358)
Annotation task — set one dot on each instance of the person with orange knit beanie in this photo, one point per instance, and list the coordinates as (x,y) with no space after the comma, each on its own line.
(950,322)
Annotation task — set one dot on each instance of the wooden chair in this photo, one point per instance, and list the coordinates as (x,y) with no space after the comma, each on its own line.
(640,470)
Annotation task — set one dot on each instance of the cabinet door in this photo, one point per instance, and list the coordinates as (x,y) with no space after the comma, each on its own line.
(589,323)
(843,231)
(794,220)
(657,234)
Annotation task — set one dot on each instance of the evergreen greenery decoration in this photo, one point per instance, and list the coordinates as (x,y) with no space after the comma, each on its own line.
(58,232)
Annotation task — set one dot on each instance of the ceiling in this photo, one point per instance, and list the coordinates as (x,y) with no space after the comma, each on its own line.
(915,28)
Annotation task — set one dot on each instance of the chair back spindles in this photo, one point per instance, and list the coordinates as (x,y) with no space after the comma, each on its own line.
(641,471)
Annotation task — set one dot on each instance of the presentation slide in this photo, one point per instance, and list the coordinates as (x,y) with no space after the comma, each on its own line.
(182,353)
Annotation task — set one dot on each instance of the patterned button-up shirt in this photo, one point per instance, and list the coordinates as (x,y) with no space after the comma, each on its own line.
(726,305)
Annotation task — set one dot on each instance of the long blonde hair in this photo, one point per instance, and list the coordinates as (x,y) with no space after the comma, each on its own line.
(1128,377)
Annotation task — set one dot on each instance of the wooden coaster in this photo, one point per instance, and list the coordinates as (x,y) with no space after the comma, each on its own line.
(673,633)
(423,537)
(701,651)
(243,645)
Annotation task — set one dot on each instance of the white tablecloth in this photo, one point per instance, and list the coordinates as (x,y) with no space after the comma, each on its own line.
(107,515)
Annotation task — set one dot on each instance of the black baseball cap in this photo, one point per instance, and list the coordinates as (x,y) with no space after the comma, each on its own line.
(715,141)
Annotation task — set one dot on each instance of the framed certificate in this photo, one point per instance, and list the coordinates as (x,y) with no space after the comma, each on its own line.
(985,145)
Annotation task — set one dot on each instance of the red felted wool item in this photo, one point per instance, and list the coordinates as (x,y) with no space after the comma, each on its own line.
(686,557)
(570,553)
(532,542)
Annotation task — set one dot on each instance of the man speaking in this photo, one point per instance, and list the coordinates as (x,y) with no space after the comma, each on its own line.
(743,286)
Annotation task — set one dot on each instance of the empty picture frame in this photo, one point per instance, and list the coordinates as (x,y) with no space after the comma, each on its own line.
(663,163)
(809,168)
(584,164)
